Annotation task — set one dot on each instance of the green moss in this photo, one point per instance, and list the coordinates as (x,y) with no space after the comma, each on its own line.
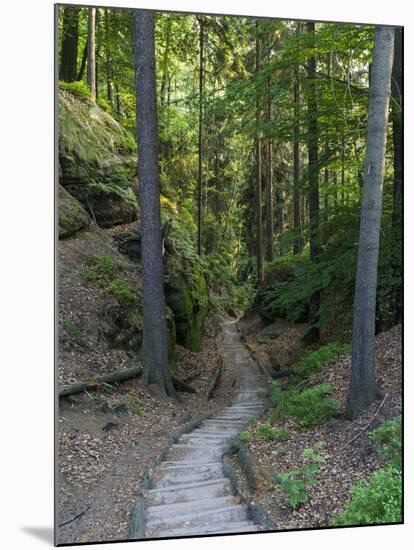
(78,88)
(122,293)
(72,216)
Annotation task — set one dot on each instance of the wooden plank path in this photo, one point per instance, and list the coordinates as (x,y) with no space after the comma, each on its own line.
(189,494)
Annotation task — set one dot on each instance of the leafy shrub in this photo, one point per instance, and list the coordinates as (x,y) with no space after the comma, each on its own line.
(388,438)
(245,436)
(135,406)
(77,88)
(122,293)
(316,359)
(296,483)
(266,432)
(310,407)
(376,501)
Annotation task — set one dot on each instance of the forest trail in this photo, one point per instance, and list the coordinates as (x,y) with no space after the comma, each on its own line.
(189,494)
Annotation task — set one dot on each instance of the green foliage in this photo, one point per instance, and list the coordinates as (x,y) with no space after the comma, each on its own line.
(376,501)
(107,273)
(266,432)
(111,187)
(122,293)
(101,269)
(388,438)
(77,88)
(135,319)
(310,407)
(245,436)
(103,104)
(135,406)
(296,483)
(314,360)
(283,435)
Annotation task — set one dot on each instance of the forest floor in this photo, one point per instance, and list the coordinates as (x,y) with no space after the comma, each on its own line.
(348,452)
(103,447)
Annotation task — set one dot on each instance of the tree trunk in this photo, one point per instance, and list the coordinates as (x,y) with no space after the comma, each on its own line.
(108,60)
(91,77)
(154,351)
(69,52)
(269,179)
(363,387)
(397,132)
(83,62)
(200,139)
(117,100)
(165,78)
(313,171)
(297,245)
(97,54)
(258,185)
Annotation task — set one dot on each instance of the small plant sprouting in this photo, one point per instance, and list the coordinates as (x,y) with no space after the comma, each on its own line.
(266,432)
(135,406)
(295,484)
(245,436)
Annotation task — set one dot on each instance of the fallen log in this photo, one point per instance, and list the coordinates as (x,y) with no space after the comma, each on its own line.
(111,377)
(98,381)
(180,385)
(214,381)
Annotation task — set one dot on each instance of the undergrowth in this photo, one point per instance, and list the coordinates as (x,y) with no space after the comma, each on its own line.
(314,360)
(378,500)
(310,407)
(296,483)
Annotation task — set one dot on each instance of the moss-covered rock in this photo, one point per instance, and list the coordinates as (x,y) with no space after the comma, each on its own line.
(72,216)
(188,301)
(97,160)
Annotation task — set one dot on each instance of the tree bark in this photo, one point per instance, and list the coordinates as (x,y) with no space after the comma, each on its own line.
(108,60)
(269,179)
(69,52)
(165,78)
(200,138)
(363,387)
(313,171)
(154,351)
(83,62)
(297,245)
(258,185)
(91,76)
(397,132)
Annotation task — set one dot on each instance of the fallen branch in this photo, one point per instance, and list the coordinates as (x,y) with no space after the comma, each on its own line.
(281,373)
(369,423)
(74,518)
(98,381)
(214,382)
